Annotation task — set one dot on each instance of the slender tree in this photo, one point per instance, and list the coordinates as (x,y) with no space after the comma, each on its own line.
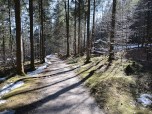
(84,33)
(111,53)
(11,40)
(43,48)
(88,30)
(75,30)
(92,42)
(31,33)
(19,47)
(79,28)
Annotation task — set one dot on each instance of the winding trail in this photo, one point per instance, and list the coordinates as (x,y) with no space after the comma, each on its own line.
(62,93)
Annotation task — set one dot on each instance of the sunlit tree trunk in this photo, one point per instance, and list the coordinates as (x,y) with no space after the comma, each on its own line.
(67,27)
(19,47)
(111,53)
(79,29)
(75,31)
(31,33)
(11,40)
(88,30)
(92,42)
(84,34)
(43,48)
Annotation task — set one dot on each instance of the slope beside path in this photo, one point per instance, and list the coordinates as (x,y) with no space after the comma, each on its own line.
(61,93)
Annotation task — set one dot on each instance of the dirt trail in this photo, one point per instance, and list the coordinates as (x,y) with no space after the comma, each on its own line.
(62,93)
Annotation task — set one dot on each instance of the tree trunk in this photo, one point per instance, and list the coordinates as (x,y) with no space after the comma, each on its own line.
(4,57)
(67,25)
(11,40)
(40,40)
(92,42)
(68,31)
(148,14)
(79,29)
(31,33)
(88,30)
(84,34)
(75,32)
(24,51)
(43,48)
(111,53)
(19,47)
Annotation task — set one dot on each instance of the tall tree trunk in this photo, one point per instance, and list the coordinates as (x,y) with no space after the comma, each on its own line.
(43,48)
(111,53)
(40,45)
(24,51)
(31,33)
(68,32)
(84,33)
(40,40)
(19,47)
(67,26)
(11,40)
(79,29)
(4,57)
(75,32)
(88,30)
(148,14)
(92,42)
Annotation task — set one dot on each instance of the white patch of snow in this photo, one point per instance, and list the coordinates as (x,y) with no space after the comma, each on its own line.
(77,66)
(6,89)
(8,112)
(49,55)
(39,69)
(1,102)
(3,78)
(8,59)
(7,85)
(145,99)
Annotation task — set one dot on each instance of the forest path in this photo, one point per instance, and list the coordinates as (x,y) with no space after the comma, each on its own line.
(62,93)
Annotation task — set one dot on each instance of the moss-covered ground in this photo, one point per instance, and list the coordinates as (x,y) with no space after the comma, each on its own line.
(24,95)
(117,85)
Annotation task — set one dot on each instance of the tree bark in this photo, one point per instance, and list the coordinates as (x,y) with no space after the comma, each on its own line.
(19,47)
(4,57)
(31,33)
(43,48)
(79,29)
(92,42)
(111,53)
(88,30)
(84,34)
(68,31)
(11,40)
(67,26)
(75,32)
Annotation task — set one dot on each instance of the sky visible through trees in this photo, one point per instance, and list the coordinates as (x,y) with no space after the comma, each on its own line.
(54,30)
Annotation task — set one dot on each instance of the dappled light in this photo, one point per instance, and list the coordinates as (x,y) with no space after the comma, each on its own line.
(75,57)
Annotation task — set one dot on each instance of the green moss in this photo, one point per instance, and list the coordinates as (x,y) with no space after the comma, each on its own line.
(112,88)
(72,61)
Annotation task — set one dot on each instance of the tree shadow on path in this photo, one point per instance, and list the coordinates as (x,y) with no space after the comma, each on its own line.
(27,108)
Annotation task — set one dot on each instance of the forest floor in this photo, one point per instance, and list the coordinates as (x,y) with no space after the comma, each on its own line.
(117,85)
(57,90)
